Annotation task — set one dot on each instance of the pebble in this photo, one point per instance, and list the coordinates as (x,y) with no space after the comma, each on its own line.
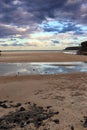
(22,109)
(18,105)
(49,107)
(56,112)
(4,106)
(85,124)
(56,121)
(23,124)
(72,127)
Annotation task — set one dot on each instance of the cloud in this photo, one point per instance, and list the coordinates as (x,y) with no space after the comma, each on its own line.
(22,12)
(30,44)
(62,27)
(4,44)
(55,41)
(16,44)
(9,30)
(71,27)
(13,44)
(23,18)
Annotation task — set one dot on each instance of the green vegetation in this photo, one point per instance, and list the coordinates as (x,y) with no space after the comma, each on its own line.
(83,48)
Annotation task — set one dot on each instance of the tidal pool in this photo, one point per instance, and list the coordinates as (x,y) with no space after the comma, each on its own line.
(42,68)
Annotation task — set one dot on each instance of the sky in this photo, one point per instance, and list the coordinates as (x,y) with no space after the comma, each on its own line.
(42,24)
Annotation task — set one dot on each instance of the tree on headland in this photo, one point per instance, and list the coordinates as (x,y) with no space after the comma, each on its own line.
(83,48)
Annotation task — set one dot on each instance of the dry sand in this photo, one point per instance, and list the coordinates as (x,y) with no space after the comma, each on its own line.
(66,93)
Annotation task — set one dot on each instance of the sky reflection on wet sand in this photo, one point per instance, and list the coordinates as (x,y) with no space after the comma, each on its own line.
(42,68)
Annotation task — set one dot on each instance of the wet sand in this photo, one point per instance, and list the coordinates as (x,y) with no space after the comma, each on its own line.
(62,93)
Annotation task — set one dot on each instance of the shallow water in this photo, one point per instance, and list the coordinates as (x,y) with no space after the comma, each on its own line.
(42,68)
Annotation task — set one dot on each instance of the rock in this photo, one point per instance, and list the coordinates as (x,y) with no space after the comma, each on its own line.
(35,115)
(27,117)
(16,120)
(56,121)
(49,107)
(28,122)
(56,113)
(18,105)
(23,124)
(38,123)
(3,101)
(81,121)
(11,101)
(72,127)
(41,108)
(4,106)
(85,123)
(22,109)
(5,125)
(42,117)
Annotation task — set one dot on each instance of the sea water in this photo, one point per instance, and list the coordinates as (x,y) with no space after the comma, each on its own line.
(42,68)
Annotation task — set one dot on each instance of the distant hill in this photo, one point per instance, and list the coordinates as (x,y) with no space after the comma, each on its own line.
(72,48)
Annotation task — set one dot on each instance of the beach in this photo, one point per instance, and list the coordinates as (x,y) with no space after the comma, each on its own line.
(61,97)
(40,57)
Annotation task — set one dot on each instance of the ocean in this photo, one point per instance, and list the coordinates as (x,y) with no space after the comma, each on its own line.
(63,51)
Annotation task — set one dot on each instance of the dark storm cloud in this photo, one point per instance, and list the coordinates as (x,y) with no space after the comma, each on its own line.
(27,11)
(33,12)
(7,31)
